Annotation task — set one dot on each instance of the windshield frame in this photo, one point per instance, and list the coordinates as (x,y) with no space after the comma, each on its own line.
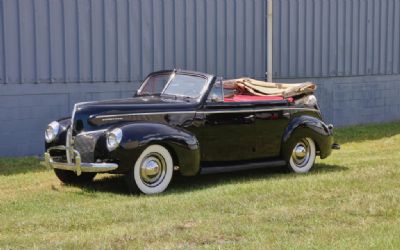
(207,78)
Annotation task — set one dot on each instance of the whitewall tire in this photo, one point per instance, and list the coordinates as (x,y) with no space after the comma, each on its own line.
(303,156)
(152,172)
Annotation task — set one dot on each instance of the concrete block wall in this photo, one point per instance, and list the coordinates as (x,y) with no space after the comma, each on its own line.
(357,100)
(26,109)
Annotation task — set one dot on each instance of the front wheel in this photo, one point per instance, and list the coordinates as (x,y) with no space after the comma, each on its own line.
(302,156)
(70,177)
(152,171)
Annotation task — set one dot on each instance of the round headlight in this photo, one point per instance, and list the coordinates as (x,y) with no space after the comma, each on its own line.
(114,137)
(52,131)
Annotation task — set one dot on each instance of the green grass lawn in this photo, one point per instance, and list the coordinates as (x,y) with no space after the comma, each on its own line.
(349,201)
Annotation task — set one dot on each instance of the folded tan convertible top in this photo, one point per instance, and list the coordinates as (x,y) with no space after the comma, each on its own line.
(262,88)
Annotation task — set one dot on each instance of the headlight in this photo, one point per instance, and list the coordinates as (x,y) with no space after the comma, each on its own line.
(114,138)
(52,131)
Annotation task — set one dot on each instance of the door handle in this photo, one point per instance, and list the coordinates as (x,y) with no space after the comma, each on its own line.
(286,115)
(249,118)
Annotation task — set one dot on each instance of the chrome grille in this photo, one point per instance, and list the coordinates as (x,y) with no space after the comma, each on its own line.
(69,141)
(85,144)
(69,144)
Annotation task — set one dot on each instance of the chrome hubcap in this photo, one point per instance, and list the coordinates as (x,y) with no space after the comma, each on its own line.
(301,153)
(152,169)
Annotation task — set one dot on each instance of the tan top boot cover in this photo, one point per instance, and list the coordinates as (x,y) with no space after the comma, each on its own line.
(261,88)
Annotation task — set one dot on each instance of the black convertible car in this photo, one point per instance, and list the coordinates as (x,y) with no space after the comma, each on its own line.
(189,123)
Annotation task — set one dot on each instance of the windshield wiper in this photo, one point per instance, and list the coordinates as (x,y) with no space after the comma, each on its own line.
(187,98)
(176,97)
(148,94)
(169,95)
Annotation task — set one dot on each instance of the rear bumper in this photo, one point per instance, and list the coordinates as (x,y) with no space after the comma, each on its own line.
(77,166)
(335,145)
(326,141)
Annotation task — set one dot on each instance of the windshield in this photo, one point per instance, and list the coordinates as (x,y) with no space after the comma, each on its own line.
(178,85)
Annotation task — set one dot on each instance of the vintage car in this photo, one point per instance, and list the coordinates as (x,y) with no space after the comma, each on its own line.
(189,123)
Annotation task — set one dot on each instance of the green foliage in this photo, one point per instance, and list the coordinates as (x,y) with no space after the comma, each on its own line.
(350,201)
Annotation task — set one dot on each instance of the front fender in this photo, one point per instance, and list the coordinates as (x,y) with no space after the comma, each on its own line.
(308,126)
(61,138)
(182,145)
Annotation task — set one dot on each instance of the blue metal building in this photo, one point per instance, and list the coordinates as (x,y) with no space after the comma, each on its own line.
(54,53)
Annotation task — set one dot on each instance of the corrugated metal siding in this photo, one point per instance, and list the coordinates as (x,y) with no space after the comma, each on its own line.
(44,41)
(321,38)
(56,41)
(2,58)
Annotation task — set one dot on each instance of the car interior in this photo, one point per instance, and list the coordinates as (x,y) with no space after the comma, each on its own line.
(250,90)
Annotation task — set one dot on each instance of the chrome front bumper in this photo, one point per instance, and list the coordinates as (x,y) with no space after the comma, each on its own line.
(76,166)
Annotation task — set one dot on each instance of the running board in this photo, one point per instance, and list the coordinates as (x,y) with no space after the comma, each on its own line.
(239,167)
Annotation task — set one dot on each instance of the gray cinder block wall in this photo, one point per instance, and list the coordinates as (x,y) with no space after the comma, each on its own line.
(26,110)
(348,101)
(56,53)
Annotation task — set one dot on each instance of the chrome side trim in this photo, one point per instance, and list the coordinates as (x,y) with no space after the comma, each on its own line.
(206,112)
(78,166)
(148,113)
(257,110)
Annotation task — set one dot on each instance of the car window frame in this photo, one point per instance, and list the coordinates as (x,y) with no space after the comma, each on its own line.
(140,89)
(202,92)
(210,101)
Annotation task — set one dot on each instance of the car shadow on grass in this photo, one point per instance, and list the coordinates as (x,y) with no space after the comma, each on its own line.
(109,183)
(184,184)
(180,184)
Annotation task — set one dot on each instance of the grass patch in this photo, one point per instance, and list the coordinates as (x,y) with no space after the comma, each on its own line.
(11,166)
(350,200)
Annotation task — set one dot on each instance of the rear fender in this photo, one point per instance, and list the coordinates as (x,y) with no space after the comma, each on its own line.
(307,126)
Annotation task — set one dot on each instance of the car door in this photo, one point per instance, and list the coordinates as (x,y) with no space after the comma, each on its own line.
(270,124)
(225,132)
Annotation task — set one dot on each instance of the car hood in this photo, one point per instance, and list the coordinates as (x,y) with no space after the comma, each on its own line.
(135,104)
(86,111)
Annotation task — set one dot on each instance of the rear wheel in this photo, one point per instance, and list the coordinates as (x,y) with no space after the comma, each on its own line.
(152,171)
(302,156)
(70,177)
